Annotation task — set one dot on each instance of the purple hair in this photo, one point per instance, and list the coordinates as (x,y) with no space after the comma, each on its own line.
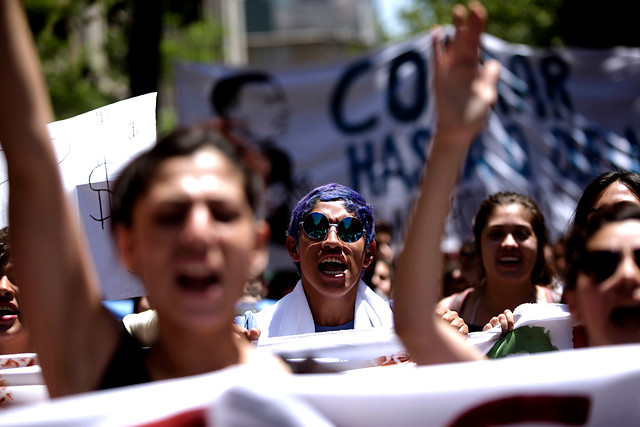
(353,202)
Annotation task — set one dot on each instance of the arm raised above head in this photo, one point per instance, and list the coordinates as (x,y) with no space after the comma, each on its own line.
(59,292)
(464,96)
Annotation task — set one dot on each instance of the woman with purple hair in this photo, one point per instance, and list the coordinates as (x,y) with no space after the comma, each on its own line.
(331,239)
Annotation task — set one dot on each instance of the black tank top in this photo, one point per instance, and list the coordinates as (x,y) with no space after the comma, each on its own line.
(127,366)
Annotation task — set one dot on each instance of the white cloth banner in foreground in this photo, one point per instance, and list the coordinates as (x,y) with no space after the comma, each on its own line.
(563,117)
(91,150)
(537,328)
(588,387)
(21,381)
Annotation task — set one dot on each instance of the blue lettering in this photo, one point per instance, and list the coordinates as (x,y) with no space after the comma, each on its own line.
(555,71)
(392,165)
(634,148)
(475,159)
(519,66)
(338,99)
(569,158)
(597,145)
(516,147)
(420,143)
(364,166)
(373,165)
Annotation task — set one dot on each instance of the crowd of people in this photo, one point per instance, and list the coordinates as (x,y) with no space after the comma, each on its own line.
(188,218)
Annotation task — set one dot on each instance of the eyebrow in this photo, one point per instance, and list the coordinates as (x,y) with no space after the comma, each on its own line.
(515,226)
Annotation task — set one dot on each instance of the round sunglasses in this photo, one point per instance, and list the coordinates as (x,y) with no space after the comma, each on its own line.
(603,264)
(316,225)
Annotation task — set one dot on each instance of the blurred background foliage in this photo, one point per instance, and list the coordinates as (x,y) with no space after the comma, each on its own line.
(543,23)
(95,52)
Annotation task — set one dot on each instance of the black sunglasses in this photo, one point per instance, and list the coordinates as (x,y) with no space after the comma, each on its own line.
(603,264)
(316,225)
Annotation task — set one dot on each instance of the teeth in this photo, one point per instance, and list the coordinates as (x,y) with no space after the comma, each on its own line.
(333,273)
(509,259)
(196,271)
(333,266)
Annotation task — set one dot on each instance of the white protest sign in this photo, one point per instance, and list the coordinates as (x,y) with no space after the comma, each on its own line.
(91,150)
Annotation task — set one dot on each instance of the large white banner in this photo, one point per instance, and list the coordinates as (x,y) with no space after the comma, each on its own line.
(563,117)
(367,378)
(588,387)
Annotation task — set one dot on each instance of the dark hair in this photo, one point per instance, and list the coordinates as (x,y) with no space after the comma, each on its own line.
(384,227)
(542,272)
(367,274)
(136,178)
(592,192)
(5,250)
(225,92)
(580,236)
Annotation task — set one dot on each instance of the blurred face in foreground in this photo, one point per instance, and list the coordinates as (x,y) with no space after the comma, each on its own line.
(194,240)
(615,194)
(9,309)
(606,298)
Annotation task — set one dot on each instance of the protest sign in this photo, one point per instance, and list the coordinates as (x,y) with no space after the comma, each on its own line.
(91,149)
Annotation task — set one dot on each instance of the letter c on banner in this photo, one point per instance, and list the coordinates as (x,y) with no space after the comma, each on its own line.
(337,100)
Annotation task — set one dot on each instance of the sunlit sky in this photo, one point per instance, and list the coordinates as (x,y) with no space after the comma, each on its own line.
(388,11)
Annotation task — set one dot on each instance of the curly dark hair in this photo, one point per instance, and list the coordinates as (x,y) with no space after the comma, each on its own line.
(5,250)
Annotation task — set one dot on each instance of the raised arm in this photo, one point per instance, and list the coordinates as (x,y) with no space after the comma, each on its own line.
(59,293)
(464,95)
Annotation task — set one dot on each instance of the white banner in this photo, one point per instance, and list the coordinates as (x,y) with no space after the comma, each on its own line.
(537,328)
(21,381)
(366,378)
(564,116)
(589,387)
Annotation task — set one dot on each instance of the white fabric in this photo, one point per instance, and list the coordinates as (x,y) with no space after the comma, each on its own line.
(143,326)
(588,387)
(554,320)
(292,316)
(21,381)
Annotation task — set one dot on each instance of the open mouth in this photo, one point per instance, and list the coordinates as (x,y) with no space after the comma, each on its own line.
(197,283)
(8,313)
(332,266)
(626,317)
(509,261)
